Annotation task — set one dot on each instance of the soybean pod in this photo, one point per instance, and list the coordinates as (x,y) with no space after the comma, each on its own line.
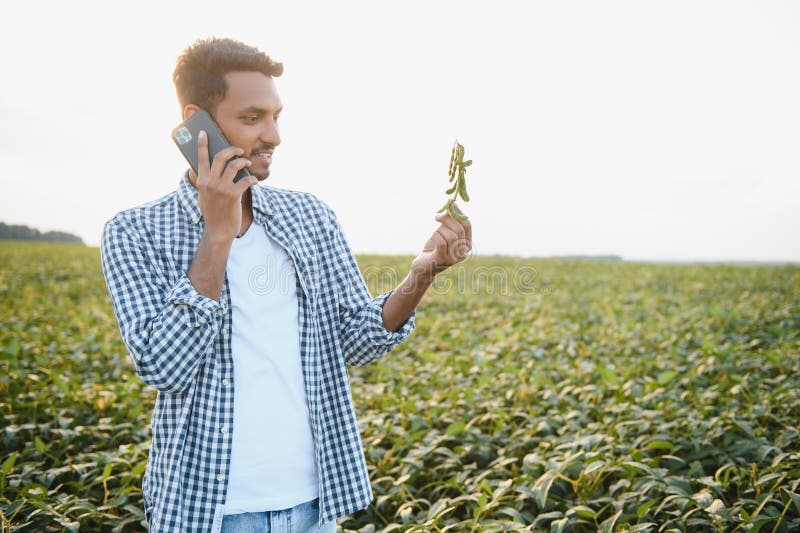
(456,170)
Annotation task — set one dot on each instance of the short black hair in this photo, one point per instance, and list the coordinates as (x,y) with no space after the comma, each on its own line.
(199,74)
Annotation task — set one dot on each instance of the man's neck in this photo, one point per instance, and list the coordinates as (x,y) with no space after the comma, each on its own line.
(247,211)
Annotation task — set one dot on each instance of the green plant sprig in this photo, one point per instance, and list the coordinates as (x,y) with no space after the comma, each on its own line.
(457,172)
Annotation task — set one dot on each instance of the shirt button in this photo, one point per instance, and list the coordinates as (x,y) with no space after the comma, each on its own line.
(218,311)
(226,382)
(224,429)
(220,477)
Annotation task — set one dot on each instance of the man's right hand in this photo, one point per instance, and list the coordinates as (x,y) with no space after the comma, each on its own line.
(219,197)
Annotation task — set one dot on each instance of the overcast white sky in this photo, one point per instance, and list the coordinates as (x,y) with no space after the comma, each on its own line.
(651,130)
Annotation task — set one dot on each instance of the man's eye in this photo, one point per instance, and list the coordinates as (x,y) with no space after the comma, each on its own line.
(251,119)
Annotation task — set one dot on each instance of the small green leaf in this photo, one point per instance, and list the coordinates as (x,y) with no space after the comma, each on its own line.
(482,499)
(139,468)
(456,428)
(610,377)
(666,376)
(794,497)
(659,445)
(439,507)
(511,512)
(13,348)
(107,470)
(583,511)
(542,487)
(642,510)
(8,464)
(13,351)
(557,526)
(608,525)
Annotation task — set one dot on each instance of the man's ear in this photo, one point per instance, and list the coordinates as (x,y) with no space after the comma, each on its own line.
(189,110)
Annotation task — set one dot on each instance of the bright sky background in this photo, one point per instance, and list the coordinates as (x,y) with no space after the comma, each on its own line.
(651,130)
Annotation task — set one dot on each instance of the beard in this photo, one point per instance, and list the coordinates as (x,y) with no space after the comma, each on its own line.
(260,176)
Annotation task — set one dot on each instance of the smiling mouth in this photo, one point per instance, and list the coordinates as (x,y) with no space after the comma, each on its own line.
(263,156)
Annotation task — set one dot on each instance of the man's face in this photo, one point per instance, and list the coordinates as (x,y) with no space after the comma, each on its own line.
(248,118)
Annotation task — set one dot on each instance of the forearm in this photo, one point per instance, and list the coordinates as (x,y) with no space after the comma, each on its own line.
(207,271)
(404,299)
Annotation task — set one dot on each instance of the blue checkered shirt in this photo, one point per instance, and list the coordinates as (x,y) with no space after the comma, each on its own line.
(180,343)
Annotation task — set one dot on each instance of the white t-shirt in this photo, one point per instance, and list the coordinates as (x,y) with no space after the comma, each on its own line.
(273,464)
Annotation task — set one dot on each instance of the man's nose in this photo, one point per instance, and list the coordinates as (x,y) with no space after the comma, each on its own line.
(271,133)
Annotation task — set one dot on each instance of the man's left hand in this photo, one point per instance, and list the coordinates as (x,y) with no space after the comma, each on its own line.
(448,245)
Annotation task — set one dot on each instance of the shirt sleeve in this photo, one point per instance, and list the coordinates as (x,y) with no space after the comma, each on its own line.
(168,329)
(364,337)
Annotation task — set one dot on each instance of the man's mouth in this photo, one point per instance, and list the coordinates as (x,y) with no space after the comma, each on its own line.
(264,156)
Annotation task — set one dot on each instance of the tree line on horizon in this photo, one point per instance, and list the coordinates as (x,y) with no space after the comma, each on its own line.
(25,233)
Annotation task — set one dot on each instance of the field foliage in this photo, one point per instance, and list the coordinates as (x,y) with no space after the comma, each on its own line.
(535,395)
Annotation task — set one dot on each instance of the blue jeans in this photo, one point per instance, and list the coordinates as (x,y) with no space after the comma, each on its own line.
(299,519)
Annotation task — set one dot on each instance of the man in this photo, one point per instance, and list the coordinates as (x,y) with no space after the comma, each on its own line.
(242,305)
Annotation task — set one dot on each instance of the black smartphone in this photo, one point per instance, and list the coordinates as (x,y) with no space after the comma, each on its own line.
(185,136)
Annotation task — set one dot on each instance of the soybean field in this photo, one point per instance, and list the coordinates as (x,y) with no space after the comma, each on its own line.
(534,395)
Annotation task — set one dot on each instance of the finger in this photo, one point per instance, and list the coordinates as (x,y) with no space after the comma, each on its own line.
(439,244)
(234,166)
(464,223)
(203,166)
(453,224)
(458,247)
(222,157)
(245,183)
(464,244)
(451,238)
(438,241)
